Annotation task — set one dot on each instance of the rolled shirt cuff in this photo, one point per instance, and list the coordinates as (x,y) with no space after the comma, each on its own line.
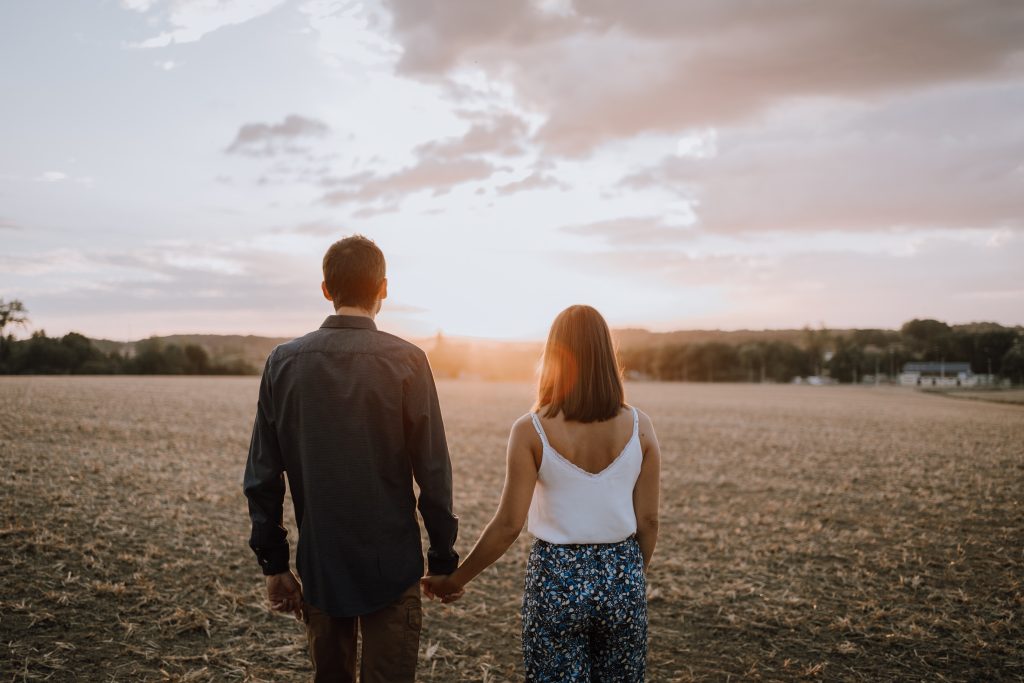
(442,565)
(273,561)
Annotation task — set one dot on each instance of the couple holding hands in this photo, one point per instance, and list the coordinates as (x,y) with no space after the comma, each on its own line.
(349,416)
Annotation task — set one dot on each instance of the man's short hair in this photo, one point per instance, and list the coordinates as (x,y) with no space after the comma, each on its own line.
(353,271)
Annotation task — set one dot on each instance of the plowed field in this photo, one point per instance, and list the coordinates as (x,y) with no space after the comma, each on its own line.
(836,533)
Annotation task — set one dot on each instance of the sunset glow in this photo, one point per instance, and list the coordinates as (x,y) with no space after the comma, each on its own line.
(182,166)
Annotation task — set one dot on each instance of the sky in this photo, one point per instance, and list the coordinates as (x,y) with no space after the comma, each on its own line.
(180,166)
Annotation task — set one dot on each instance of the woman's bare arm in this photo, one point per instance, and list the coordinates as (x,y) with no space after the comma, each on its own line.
(507,523)
(647,491)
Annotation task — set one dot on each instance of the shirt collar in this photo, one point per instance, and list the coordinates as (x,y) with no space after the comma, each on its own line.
(356,321)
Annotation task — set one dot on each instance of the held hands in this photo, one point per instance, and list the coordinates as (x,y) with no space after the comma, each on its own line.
(285,593)
(442,587)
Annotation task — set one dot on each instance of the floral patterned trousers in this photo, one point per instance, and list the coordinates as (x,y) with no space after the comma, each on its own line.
(585,612)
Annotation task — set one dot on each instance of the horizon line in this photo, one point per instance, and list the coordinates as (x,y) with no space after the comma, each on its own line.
(521,340)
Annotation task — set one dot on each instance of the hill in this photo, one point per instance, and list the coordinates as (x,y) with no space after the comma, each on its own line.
(633,338)
(223,348)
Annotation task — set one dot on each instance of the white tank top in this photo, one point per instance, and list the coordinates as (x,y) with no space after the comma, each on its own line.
(571,505)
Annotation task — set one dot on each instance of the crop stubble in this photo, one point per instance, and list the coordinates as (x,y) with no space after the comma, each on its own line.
(838,533)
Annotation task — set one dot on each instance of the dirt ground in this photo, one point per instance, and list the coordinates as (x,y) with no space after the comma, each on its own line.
(994,395)
(831,533)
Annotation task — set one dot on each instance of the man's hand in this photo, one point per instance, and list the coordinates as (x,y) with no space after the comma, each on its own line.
(443,587)
(285,593)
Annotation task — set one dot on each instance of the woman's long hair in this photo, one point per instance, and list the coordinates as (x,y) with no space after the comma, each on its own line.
(580,376)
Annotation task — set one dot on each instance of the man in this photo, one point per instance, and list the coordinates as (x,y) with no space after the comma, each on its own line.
(351,416)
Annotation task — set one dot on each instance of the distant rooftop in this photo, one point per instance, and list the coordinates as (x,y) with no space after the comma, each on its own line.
(937,367)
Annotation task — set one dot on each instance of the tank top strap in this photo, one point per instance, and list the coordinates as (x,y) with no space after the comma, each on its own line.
(636,420)
(540,430)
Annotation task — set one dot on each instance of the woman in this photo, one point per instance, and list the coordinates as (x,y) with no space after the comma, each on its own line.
(592,505)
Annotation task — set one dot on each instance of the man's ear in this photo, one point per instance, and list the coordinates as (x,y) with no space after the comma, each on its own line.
(327,295)
(383,294)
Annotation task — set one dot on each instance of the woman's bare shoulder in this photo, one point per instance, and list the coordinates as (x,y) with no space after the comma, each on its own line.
(641,415)
(525,440)
(645,425)
(523,430)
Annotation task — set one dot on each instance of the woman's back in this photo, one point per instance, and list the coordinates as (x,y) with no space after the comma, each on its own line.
(585,495)
(590,446)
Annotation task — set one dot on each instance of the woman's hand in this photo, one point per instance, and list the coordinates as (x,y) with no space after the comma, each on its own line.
(442,586)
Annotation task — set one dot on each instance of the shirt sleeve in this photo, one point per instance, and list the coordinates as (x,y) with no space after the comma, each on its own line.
(432,467)
(263,484)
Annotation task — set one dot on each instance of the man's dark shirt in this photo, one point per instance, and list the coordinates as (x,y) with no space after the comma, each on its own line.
(351,416)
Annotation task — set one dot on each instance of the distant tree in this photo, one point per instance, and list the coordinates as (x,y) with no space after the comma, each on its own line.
(784,361)
(234,367)
(197,360)
(984,347)
(174,360)
(1012,363)
(847,361)
(877,338)
(752,359)
(100,363)
(715,362)
(447,359)
(149,358)
(44,355)
(928,339)
(875,361)
(638,360)
(671,362)
(12,312)
(80,349)
(76,354)
(817,343)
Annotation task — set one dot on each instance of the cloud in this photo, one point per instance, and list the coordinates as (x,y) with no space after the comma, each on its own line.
(841,288)
(502,134)
(350,35)
(667,66)
(438,175)
(949,158)
(176,287)
(168,275)
(436,34)
(637,231)
(8,225)
(534,181)
(316,228)
(262,139)
(371,211)
(190,20)
(440,165)
(138,5)
(53,261)
(51,177)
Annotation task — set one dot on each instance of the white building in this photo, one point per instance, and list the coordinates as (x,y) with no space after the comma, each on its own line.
(938,374)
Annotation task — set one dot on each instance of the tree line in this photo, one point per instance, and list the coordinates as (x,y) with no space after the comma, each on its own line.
(75,354)
(845,357)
